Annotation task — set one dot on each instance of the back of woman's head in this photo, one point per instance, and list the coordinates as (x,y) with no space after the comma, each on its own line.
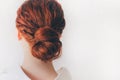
(41,23)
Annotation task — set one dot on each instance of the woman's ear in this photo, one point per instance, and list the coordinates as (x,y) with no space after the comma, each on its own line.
(19,36)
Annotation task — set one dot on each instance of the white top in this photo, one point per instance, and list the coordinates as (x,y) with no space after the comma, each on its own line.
(16,73)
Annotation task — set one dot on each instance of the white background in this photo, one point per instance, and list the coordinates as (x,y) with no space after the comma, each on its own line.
(91,39)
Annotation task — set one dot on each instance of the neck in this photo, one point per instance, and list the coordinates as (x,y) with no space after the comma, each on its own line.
(36,69)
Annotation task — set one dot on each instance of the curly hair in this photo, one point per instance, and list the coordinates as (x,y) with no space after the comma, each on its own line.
(41,22)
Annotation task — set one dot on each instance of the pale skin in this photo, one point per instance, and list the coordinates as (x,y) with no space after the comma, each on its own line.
(34,68)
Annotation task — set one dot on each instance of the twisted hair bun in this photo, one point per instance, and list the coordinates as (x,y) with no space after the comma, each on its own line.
(41,22)
(47,45)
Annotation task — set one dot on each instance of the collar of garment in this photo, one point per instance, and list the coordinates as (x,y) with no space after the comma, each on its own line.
(16,73)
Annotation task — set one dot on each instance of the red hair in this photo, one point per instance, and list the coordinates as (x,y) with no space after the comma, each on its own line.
(41,22)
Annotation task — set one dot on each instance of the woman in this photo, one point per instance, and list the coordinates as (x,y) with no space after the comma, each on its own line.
(40,24)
